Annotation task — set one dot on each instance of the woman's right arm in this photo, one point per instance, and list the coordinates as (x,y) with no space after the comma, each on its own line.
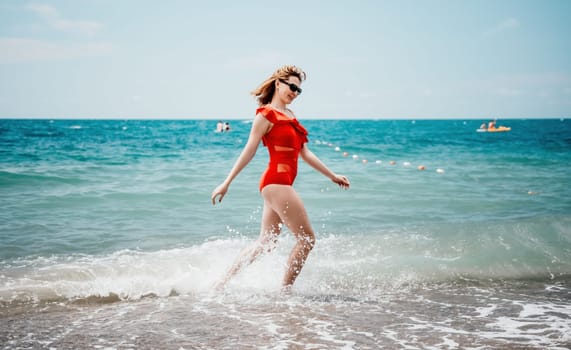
(260,127)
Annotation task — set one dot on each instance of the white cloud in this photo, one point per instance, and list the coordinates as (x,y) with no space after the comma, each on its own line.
(53,18)
(13,50)
(508,24)
(508,92)
(85,27)
(504,25)
(46,11)
(17,50)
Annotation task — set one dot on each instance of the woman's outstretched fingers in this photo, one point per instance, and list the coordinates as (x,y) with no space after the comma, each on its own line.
(219,191)
(342,181)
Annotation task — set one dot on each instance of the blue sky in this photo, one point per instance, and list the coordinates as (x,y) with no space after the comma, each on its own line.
(364,59)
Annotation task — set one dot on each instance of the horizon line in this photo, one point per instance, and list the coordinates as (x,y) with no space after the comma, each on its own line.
(308,118)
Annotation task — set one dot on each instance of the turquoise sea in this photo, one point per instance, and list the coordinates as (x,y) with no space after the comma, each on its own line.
(108,238)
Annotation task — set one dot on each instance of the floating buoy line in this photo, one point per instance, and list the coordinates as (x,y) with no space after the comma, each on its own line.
(356,157)
(392,163)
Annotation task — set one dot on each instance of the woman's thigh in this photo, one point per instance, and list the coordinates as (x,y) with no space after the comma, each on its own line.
(287,204)
(271,225)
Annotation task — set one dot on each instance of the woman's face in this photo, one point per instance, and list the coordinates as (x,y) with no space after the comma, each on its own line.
(288,89)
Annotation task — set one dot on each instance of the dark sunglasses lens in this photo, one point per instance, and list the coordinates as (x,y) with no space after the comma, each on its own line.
(294,88)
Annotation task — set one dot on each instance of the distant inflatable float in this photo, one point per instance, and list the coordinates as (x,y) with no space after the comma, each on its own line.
(498,129)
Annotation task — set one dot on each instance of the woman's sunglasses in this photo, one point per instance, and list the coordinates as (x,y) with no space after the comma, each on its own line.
(292,86)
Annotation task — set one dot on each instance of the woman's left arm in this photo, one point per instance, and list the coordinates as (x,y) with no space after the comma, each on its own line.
(311,159)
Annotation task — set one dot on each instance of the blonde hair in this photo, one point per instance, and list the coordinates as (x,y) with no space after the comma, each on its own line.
(265,91)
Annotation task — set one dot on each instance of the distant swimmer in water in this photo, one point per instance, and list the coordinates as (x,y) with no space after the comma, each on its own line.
(222,126)
(277,127)
(219,126)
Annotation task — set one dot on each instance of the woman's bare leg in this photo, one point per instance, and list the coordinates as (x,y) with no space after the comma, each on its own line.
(269,232)
(285,201)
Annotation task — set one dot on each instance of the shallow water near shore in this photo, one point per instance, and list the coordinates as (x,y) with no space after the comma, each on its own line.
(108,238)
(460,315)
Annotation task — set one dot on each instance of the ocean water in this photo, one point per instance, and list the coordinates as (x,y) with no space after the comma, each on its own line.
(108,238)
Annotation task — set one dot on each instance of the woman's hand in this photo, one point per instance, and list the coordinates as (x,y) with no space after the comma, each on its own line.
(341,180)
(219,191)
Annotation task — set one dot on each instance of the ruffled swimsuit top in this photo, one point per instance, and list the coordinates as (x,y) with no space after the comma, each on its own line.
(284,142)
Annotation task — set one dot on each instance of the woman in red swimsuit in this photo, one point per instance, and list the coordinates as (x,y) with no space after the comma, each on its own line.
(276,126)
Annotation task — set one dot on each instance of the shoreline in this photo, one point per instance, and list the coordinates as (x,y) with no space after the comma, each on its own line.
(501,315)
(561,118)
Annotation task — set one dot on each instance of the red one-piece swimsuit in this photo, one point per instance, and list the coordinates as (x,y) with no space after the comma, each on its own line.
(284,142)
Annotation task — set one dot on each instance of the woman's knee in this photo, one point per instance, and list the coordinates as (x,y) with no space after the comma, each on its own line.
(267,242)
(307,239)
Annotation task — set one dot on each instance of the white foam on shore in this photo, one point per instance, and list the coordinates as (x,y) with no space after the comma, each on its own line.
(534,322)
(359,265)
